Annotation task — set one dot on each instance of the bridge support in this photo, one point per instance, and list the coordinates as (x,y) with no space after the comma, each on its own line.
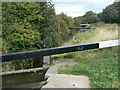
(38,62)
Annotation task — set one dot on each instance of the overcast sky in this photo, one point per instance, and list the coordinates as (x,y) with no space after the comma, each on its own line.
(76,8)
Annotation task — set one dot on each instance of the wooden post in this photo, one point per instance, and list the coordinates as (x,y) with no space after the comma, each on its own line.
(38,62)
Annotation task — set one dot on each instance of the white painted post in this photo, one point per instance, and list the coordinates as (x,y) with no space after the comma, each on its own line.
(46,60)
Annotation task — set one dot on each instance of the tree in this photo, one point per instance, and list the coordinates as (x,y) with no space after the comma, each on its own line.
(110,13)
(57,33)
(99,15)
(90,17)
(69,20)
(78,21)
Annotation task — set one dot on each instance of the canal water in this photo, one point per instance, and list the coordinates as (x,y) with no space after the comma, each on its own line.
(24,80)
(29,78)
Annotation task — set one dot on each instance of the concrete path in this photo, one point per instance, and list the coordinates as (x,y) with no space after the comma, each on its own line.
(65,81)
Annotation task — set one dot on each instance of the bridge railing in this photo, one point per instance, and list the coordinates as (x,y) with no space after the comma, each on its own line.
(83,27)
(79,28)
(57,50)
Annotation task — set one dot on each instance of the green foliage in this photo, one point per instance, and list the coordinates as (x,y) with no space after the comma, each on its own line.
(57,33)
(103,72)
(69,20)
(68,55)
(110,13)
(30,26)
(78,21)
(90,17)
(101,65)
(22,24)
(107,31)
(64,55)
(22,40)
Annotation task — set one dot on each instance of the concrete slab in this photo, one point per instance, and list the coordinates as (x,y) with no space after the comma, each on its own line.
(65,81)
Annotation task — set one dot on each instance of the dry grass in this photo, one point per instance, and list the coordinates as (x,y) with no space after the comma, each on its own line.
(107,32)
(102,33)
(101,65)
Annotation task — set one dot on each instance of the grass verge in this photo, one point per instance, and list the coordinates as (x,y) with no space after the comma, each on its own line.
(101,65)
(103,72)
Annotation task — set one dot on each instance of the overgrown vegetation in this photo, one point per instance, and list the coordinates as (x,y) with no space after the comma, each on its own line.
(101,65)
(100,32)
(90,17)
(31,26)
(28,26)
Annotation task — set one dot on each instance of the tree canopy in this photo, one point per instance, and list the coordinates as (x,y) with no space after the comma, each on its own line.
(90,17)
(78,21)
(69,20)
(111,13)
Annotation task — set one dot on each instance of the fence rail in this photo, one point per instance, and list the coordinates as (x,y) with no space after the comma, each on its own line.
(57,50)
(79,27)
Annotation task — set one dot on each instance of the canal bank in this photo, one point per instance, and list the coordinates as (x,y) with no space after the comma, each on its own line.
(56,80)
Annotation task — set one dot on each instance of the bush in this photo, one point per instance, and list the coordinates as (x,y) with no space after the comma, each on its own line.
(31,26)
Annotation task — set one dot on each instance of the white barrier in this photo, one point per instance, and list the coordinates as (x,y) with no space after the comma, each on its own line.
(110,43)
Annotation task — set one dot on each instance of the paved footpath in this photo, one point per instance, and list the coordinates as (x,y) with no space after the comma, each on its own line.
(65,81)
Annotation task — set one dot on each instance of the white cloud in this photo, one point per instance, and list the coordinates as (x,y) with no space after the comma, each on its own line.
(70,10)
(83,1)
(80,7)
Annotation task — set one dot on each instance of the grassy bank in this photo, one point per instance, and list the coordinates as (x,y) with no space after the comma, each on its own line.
(102,72)
(101,65)
(100,32)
